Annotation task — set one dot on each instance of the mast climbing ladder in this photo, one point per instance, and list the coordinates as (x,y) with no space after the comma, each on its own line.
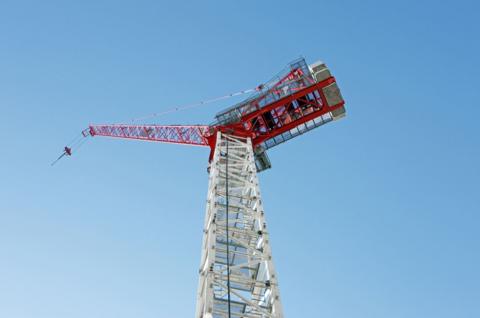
(237,275)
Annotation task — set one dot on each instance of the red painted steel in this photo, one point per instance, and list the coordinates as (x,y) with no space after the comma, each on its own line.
(288,112)
(266,123)
(195,135)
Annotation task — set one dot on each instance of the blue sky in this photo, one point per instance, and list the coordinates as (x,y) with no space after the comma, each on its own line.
(376,215)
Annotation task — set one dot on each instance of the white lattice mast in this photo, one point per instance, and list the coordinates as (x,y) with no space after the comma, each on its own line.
(241,281)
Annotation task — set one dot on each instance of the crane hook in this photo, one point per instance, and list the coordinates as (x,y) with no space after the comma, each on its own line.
(67,151)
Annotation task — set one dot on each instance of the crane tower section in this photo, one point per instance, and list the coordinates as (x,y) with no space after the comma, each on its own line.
(237,275)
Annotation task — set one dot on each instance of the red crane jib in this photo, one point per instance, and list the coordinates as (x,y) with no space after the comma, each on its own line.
(266,123)
(194,135)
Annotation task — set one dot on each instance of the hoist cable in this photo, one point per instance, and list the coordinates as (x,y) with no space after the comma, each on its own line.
(80,144)
(74,140)
(56,160)
(227,229)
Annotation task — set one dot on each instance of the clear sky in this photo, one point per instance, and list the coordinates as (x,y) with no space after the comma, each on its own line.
(373,216)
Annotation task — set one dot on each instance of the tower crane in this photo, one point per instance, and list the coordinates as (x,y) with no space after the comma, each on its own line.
(237,273)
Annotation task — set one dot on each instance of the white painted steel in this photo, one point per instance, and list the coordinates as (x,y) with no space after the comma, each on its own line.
(253,281)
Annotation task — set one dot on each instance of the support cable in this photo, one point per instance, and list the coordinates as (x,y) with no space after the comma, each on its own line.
(227,228)
(197,104)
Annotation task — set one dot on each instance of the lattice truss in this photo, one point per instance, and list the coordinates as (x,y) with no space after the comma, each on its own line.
(253,281)
(190,135)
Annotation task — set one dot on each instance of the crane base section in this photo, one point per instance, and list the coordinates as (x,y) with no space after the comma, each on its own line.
(237,275)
